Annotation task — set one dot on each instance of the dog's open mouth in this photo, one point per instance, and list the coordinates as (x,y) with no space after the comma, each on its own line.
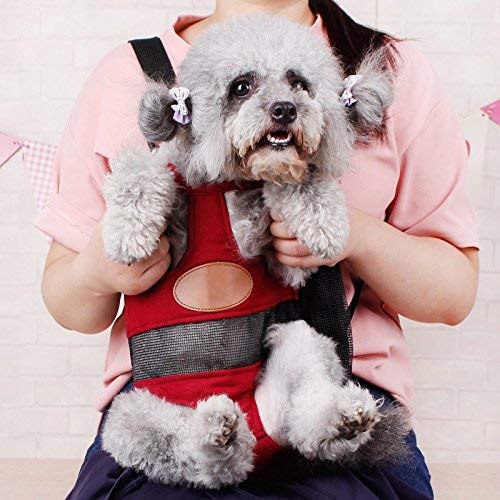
(277,139)
(277,157)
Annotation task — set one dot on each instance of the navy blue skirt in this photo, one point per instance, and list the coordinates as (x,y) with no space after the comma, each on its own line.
(100,477)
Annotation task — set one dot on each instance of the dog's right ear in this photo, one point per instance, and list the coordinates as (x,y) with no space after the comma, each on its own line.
(156,115)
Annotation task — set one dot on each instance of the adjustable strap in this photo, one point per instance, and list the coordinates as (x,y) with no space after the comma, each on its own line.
(153,59)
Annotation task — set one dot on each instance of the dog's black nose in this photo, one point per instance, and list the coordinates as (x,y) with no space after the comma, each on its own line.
(284,112)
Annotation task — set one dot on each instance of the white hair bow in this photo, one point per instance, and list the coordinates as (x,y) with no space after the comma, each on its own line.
(180,94)
(349,83)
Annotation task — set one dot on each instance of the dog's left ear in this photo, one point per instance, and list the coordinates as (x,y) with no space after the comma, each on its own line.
(368,95)
(162,111)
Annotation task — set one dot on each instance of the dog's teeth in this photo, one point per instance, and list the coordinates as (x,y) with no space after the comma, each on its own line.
(274,140)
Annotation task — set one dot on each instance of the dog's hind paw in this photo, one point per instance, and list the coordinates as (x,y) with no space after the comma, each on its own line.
(219,418)
(356,422)
(223,442)
(352,417)
(357,412)
(224,429)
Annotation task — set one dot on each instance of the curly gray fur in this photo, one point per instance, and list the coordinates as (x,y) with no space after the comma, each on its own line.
(155,113)
(209,446)
(250,219)
(221,142)
(374,94)
(388,443)
(311,407)
(140,194)
(221,131)
(177,229)
(315,214)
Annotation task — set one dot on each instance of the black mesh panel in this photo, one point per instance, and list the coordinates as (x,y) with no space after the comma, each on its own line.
(207,346)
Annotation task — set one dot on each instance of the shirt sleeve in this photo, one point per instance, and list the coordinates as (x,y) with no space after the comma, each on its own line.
(102,120)
(431,195)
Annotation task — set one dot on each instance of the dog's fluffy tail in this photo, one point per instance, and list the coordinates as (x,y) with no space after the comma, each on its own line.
(388,439)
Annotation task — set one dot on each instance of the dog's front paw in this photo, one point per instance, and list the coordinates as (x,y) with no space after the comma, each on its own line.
(326,240)
(294,277)
(316,215)
(125,246)
(140,193)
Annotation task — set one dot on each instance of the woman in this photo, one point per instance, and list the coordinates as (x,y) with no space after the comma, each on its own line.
(413,241)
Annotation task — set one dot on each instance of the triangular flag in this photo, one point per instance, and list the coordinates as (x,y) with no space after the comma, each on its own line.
(9,146)
(38,159)
(493,111)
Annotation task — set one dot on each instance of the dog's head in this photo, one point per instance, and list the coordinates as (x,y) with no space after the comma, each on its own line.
(265,103)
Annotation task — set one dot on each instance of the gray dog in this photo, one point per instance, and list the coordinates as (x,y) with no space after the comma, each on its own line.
(267,101)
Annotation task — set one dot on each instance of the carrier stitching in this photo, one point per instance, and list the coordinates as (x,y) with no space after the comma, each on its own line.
(213,309)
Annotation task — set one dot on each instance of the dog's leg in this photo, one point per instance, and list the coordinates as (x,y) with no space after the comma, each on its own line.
(177,229)
(250,220)
(305,403)
(289,276)
(315,214)
(224,444)
(209,446)
(140,193)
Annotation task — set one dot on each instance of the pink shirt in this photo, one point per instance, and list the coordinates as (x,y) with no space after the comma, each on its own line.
(415,179)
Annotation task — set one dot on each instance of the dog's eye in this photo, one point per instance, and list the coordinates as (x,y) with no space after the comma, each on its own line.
(300,85)
(241,88)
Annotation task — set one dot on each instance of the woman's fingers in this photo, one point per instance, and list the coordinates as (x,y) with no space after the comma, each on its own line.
(304,262)
(275,216)
(280,230)
(161,253)
(147,272)
(290,247)
(155,272)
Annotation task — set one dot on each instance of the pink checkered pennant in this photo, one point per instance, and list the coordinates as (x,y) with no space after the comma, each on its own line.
(38,160)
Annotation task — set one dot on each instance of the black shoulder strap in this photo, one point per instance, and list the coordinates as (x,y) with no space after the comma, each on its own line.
(153,59)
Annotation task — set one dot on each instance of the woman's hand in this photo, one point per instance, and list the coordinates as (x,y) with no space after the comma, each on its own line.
(93,270)
(290,252)
(82,290)
(423,278)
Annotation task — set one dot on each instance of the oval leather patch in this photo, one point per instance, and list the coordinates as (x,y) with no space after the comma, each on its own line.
(216,286)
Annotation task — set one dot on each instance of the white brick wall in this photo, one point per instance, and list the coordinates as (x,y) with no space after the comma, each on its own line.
(52,376)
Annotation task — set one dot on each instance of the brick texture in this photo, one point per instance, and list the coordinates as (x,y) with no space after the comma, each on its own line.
(52,376)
